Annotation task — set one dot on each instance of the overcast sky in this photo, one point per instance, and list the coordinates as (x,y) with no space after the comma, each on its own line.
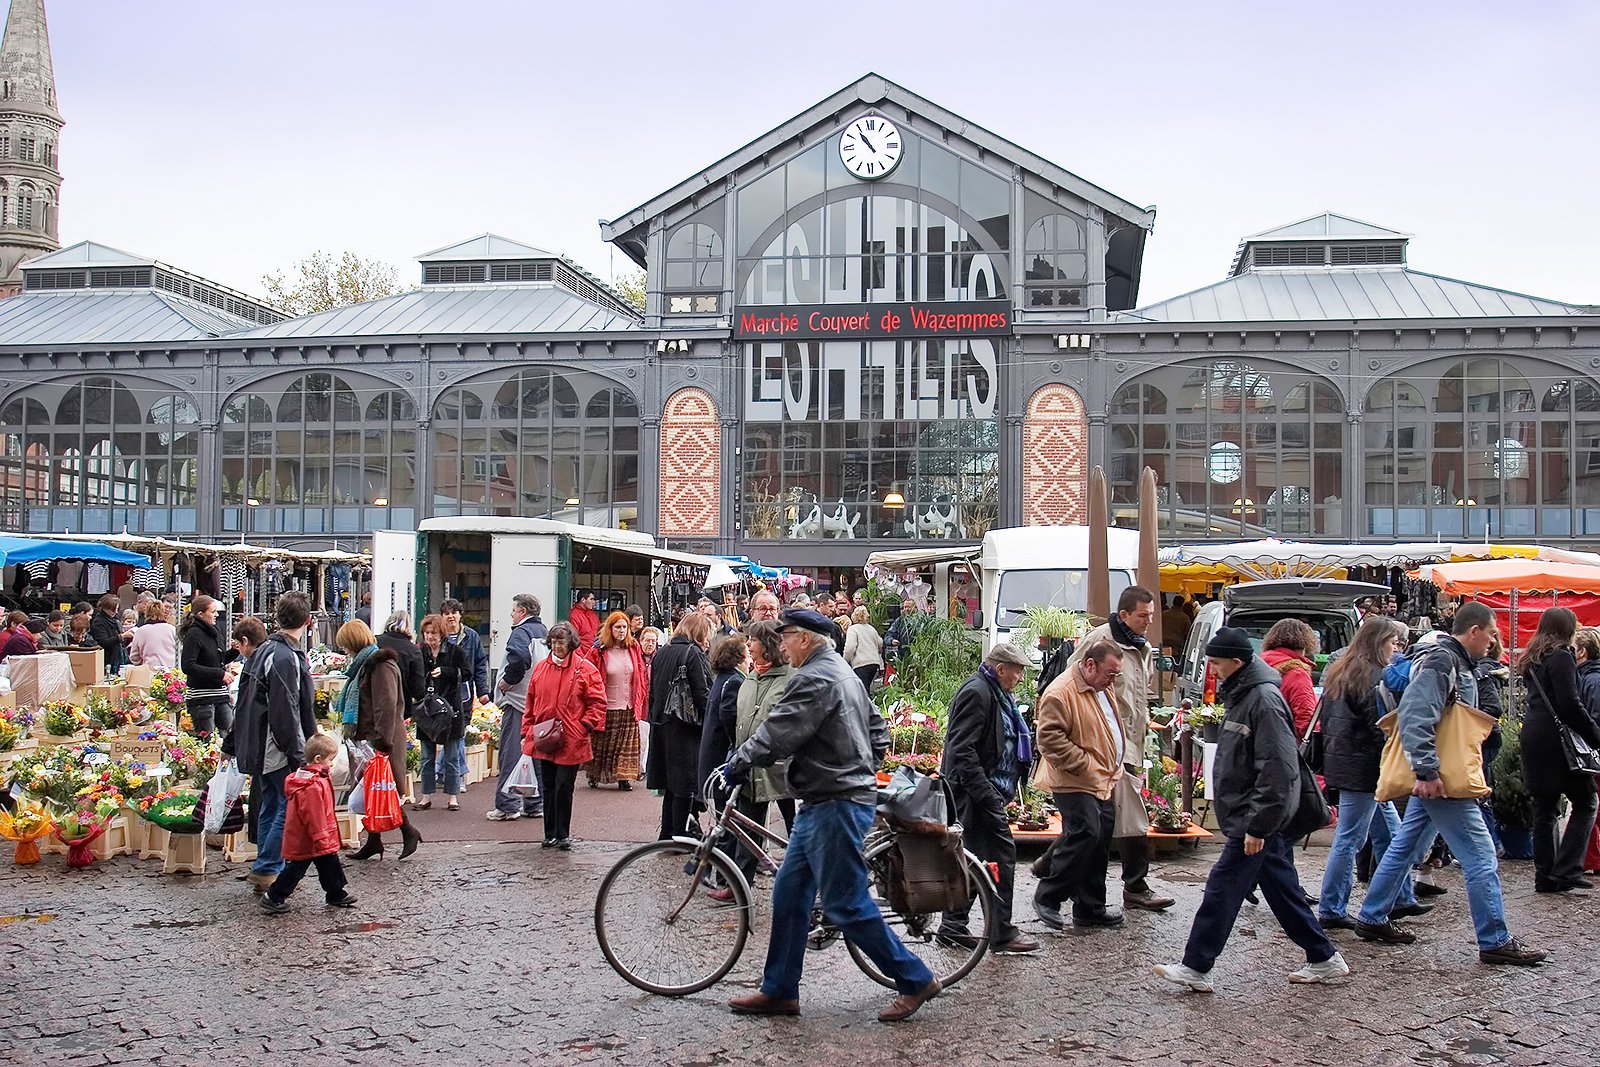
(233,138)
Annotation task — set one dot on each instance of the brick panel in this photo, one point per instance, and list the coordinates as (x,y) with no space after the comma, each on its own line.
(691,465)
(1055,454)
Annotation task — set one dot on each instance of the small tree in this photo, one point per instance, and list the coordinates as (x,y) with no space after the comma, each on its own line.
(320,282)
(630,285)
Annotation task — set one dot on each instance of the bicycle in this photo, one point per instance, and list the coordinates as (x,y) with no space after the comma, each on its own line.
(660,929)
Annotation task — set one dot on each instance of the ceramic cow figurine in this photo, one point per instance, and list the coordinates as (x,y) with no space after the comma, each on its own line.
(841,524)
(809,523)
(938,519)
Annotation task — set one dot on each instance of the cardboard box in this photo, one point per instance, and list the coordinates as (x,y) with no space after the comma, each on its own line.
(88,664)
(137,677)
(110,692)
(8,700)
(36,680)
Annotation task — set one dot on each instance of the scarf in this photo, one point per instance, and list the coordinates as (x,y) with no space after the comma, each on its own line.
(1017,751)
(350,695)
(1124,636)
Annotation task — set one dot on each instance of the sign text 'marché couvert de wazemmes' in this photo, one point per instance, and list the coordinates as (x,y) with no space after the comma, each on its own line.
(839,322)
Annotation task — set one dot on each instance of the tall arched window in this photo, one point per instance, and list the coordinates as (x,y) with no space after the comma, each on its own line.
(1055,251)
(693,273)
(322,453)
(1238,450)
(1483,447)
(24,215)
(554,444)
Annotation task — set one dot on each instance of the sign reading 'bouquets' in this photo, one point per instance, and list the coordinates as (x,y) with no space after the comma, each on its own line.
(822,322)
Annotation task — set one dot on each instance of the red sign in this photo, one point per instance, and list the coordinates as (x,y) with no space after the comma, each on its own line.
(845,322)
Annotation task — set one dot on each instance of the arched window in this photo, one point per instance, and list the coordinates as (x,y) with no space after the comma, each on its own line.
(562,444)
(1494,447)
(25,468)
(1055,250)
(1238,450)
(694,257)
(24,216)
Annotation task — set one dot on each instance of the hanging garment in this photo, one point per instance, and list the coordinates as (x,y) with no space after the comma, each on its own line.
(98,581)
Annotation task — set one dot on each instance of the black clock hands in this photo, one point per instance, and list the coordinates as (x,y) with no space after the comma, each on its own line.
(863,135)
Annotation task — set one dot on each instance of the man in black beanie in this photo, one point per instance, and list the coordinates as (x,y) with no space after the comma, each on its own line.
(1256,776)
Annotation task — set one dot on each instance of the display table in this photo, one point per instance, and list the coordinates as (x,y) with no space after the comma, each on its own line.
(1192,832)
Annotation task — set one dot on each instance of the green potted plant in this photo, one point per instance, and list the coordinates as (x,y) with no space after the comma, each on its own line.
(1513,805)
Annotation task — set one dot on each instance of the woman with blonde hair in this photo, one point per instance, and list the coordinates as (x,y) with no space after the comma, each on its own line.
(621,666)
(372,706)
(863,647)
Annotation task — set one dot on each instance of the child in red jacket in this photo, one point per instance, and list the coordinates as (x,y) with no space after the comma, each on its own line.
(310,831)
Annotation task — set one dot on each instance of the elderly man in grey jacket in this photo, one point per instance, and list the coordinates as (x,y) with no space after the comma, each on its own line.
(834,740)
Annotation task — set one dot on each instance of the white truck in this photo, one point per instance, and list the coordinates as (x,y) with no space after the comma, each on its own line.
(1016,568)
(484,561)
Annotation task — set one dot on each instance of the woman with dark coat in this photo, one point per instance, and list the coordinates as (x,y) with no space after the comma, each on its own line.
(674,761)
(202,661)
(1352,749)
(1587,645)
(444,669)
(105,630)
(380,719)
(1551,672)
(722,706)
(396,637)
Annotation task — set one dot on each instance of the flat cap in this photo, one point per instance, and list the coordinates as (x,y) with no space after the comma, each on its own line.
(806,619)
(1006,652)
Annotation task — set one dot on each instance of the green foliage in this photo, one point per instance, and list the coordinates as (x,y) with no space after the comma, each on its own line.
(630,285)
(909,739)
(1046,622)
(320,282)
(939,657)
(1513,806)
(878,598)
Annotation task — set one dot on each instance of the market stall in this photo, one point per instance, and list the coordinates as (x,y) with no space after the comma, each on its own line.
(1519,590)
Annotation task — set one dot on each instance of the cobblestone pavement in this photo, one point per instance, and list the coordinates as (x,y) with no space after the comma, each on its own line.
(483,952)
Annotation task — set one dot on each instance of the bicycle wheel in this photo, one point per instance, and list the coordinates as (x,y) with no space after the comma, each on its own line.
(948,955)
(662,931)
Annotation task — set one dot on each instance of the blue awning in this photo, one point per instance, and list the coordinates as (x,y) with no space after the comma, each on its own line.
(768,574)
(30,550)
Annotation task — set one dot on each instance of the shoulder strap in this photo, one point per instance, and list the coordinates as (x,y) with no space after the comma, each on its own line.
(1311,727)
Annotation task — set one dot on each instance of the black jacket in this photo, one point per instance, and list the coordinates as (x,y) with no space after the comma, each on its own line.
(721,723)
(413,676)
(276,698)
(203,655)
(1257,767)
(1589,687)
(973,736)
(1352,743)
(453,670)
(1552,686)
(106,632)
(675,745)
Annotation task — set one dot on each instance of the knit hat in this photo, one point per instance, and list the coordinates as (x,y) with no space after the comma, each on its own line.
(1230,642)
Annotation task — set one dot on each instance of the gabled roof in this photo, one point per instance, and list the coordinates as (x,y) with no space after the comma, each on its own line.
(522,308)
(485,246)
(1344,294)
(870,89)
(1329,226)
(77,317)
(89,254)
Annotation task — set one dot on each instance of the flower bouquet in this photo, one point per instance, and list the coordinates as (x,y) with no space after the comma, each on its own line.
(924,762)
(63,720)
(172,810)
(78,829)
(107,714)
(413,755)
(25,826)
(486,723)
(325,660)
(55,776)
(14,725)
(168,692)
(323,702)
(1161,793)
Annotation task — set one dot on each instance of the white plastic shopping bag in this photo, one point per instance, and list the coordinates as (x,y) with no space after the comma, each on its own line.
(524,778)
(226,785)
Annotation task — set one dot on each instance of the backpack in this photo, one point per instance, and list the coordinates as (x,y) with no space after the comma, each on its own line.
(1397,675)
(1054,665)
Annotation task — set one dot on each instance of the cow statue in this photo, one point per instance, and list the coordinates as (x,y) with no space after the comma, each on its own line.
(808,519)
(937,520)
(841,525)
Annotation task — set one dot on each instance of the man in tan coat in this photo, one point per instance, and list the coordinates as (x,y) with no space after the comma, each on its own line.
(1083,746)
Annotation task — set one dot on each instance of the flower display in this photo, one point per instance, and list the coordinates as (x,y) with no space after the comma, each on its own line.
(323,703)
(14,725)
(171,810)
(78,828)
(485,724)
(63,718)
(1161,795)
(1206,715)
(168,692)
(25,826)
(55,776)
(925,762)
(325,660)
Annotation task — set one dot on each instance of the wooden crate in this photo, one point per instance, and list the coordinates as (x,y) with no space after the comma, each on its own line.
(236,848)
(349,828)
(477,764)
(186,854)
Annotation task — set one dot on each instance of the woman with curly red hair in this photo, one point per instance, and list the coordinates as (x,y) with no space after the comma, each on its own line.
(621,665)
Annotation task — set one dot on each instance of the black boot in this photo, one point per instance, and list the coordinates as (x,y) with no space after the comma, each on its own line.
(409,837)
(371,849)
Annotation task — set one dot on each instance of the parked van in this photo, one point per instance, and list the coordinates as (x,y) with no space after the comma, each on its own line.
(1328,606)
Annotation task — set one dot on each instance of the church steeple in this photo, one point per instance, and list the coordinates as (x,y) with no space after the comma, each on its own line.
(30,132)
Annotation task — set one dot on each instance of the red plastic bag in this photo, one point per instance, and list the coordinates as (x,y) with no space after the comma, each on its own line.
(382,801)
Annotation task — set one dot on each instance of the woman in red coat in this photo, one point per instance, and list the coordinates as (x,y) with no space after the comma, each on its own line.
(621,665)
(1290,648)
(566,686)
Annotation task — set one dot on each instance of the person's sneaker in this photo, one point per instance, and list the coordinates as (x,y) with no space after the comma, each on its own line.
(502,816)
(1387,933)
(1513,953)
(346,901)
(1336,922)
(275,907)
(1049,914)
(723,895)
(1410,911)
(1332,967)
(1020,945)
(1178,974)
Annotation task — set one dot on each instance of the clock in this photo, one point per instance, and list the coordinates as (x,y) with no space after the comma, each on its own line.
(870,147)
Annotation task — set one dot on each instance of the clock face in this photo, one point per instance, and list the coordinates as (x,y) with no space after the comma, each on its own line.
(870,147)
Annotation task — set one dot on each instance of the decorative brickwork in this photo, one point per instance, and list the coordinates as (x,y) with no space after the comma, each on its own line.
(1055,453)
(691,465)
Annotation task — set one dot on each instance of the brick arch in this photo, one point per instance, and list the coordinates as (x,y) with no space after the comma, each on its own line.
(691,465)
(1055,458)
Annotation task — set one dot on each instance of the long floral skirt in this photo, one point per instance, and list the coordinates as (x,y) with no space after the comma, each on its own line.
(616,749)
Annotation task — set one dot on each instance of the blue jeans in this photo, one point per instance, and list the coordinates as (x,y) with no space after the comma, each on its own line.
(1231,880)
(510,752)
(824,855)
(1359,814)
(1461,823)
(269,825)
(433,767)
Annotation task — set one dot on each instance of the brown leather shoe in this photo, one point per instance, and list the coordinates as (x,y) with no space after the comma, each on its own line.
(761,1004)
(906,1004)
(1147,901)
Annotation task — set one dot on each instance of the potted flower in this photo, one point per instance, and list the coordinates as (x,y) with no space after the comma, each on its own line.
(14,724)
(1032,812)
(1207,719)
(1161,792)
(63,722)
(1513,804)
(25,826)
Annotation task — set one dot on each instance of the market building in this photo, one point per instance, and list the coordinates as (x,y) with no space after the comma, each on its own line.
(875,324)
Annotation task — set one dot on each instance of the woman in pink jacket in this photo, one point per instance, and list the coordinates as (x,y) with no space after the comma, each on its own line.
(564,686)
(155,641)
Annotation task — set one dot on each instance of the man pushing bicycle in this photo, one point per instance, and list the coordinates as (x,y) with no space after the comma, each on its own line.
(834,739)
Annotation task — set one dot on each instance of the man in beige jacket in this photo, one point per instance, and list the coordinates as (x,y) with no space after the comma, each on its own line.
(1083,747)
(1133,691)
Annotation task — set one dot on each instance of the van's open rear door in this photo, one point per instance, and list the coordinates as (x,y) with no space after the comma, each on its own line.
(398,576)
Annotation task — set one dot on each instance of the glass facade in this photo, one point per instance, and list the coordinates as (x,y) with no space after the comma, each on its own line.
(1237,450)
(96,456)
(319,453)
(538,443)
(883,438)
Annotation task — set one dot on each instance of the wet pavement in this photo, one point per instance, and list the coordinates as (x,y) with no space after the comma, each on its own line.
(483,952)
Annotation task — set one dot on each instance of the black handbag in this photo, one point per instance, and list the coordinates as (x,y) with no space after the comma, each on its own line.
(435,717)
(1580,756)
(680,698)
(1312,813)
